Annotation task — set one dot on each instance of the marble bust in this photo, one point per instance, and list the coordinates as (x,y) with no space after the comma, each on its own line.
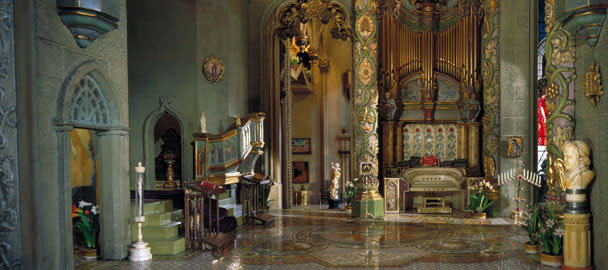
(334,184)
(577,162)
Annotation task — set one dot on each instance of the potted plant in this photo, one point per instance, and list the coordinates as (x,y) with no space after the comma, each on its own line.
(480,198)
(551,234)
(349,193)
(86,216)
(531,225)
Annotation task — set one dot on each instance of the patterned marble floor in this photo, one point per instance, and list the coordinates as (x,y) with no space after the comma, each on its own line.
(310,240)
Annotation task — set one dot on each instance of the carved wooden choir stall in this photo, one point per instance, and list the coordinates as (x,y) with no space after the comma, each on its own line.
(220,161)
(430,104)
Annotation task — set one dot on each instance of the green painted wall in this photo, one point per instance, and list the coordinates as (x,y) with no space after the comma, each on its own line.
(168,42)
(51,58)
(592,127)
(514,56)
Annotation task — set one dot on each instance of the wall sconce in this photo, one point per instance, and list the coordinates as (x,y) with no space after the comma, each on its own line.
(593,87)
(88,19)
(584,17)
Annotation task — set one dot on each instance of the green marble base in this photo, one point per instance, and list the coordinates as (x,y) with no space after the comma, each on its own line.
(374,207)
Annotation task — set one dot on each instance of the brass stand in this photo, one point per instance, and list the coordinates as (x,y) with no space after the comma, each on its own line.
(170,183)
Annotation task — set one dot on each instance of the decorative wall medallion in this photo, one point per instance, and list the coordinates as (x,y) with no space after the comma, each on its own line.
(213,69)
(593,87)
(365,26)
(366,72)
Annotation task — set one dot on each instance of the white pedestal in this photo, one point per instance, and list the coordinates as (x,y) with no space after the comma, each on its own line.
(140,251)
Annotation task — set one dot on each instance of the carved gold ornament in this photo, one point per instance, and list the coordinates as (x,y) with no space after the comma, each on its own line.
(367,120)
(365,26)
(366,72)
(593,87)
(552,92)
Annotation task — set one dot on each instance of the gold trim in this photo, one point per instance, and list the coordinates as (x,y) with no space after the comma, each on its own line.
(584,11)
(223,179)
(225,166)
(257,144)
(83,37)
(80,13)
(223,137)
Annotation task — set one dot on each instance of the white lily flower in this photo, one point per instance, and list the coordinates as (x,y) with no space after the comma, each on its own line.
(94,210)
(82,204)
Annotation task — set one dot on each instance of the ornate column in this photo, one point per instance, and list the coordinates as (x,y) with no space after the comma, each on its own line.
(473,147)
(491,89)
(114,194)
(463,147)
(560,73)
(388,135)
(10,184)
(365,100)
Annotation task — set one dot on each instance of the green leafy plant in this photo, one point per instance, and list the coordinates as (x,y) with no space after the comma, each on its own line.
(551,231)
(479,198)
(531,224)
(87,222)
(349,192)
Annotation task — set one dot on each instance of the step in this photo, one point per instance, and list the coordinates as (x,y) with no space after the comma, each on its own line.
(152,232)
(154,207)
(164,218)
(167,247)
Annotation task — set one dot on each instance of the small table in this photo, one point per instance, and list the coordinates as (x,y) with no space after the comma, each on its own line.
(196,235)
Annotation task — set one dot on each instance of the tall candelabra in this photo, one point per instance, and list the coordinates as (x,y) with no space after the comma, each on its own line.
(140,250)
(519,174)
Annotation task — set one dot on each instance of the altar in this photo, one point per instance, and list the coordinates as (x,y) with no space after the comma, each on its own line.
(429,114)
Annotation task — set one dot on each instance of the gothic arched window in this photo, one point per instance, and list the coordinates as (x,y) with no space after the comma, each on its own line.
(89,105)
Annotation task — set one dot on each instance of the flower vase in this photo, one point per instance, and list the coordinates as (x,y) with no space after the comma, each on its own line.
(478,215)
(551,260)
(88,253)
(531,248)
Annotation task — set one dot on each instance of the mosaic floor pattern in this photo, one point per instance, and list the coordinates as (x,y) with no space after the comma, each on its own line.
(298,240)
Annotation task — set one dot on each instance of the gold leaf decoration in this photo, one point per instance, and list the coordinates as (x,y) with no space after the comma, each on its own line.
(365,27)
(366,72)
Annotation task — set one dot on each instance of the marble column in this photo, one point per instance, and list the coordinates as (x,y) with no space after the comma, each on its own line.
(115,203)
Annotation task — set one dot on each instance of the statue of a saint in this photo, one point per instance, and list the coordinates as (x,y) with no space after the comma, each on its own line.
(335,180)
(203,123)
(390,106)
(577,162)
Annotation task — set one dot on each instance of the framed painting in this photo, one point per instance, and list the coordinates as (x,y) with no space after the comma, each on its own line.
(213,69)
(200,151)
(515,146)
(300,145)
(300,172)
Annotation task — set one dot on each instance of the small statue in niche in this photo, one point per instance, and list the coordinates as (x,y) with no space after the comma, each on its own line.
(472,108)
(390,106)
(391,196)
(577,162)
(335,180)
(203,123)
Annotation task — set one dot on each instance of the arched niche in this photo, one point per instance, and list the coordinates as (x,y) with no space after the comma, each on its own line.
(167,139)
(87,101)
(163,111)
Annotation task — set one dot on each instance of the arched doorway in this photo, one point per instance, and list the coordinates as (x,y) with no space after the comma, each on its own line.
(87,107)
(281,98)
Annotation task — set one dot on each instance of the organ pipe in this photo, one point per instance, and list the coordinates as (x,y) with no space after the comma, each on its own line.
(405,52)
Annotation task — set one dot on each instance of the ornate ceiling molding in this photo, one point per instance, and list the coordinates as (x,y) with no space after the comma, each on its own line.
(303,11)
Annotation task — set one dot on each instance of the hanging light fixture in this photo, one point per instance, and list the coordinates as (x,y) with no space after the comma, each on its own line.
(88,19)
(585,18)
